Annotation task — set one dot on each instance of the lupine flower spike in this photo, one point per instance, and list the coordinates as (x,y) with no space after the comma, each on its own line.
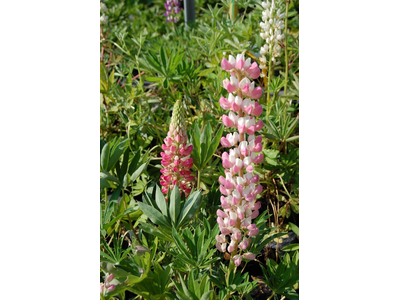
(173,7)
(271,28)
(239,186)
(176,156)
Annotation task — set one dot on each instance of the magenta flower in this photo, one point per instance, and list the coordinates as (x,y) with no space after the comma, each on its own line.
(240,186)
(176,156)
(173,7)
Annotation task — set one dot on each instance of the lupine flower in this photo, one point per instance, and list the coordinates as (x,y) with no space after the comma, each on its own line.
(271,32)
(176,156)
(239,186)
(106,284)
(173,7)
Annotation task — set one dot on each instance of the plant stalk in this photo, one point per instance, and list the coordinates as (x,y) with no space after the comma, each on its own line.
(270,75)
(198,179)
(233,11)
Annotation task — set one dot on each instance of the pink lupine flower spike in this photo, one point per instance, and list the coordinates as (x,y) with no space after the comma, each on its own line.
(176,156)
(239,186)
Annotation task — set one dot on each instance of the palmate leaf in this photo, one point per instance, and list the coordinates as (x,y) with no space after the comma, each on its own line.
(151,229)
(189,239)
(204,144)
(190,207)
(180,244)
(154,215)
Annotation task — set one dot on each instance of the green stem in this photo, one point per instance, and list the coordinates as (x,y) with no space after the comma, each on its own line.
(231,268)
(198,179)
(270,297)
(286,43)
(270,75)
(232,10)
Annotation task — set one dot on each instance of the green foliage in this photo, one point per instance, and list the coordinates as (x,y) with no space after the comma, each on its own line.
(196,253)
(235,282)
(197,289)
(113,173)
(146,66)
(156,285)
(204,144)
(128,270)
(174,213)
(281,278)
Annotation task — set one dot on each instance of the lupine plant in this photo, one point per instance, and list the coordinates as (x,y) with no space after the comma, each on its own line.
(271,32)
(199,151)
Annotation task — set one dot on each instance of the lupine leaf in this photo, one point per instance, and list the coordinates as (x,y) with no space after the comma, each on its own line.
(179,243)
(134,162)
(139,170)
(160,201)
(104,157)
(190,207)
(174,204)
(163,56)
(154,215)
(105,175)
(189,239)
(104,184)
(151,229)
(124,166)
(212,147)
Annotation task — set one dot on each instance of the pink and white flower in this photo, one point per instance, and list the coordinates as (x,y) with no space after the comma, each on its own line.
(239,186)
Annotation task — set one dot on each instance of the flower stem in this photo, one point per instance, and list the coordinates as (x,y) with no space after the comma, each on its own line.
(270,297)
(231,268)
(270,75)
